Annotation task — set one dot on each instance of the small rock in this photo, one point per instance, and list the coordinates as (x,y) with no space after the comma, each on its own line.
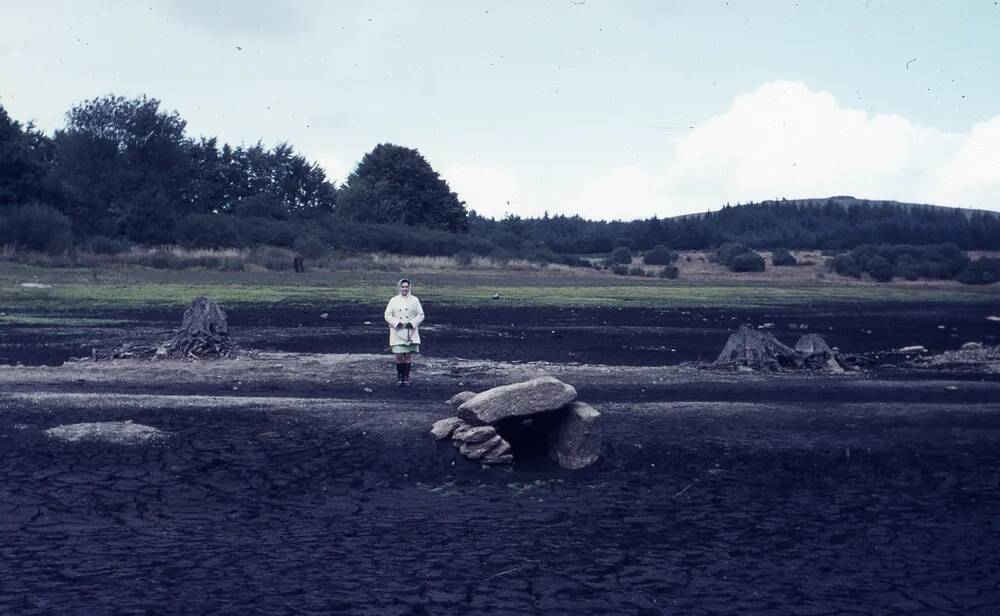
(325,315)
(471,435)
(368,390)
(912,349)
(952,388)
(474,451)
(496,296)
(444,428)
(972,346)
(368,323)
(504,459)
(460,398)
(993,318)
(765,326)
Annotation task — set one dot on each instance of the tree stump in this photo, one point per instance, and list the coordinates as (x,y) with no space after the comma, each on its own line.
(204,333)
(757,350)
(762,351)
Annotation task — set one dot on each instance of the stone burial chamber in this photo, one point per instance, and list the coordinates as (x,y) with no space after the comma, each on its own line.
(527,421)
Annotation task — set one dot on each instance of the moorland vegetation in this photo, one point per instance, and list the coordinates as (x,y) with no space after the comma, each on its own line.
(123,175)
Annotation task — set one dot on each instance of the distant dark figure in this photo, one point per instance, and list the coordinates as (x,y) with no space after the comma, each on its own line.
(299,263)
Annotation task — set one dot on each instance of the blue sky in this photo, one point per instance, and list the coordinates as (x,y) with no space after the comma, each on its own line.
(606,109)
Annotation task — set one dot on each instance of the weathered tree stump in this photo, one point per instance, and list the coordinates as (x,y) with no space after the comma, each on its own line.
(762,351)
(757,350)
(204,333)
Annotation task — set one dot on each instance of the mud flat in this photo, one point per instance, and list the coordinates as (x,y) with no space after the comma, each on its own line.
(286,486)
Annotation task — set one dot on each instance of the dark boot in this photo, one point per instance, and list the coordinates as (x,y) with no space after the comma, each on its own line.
(400,374)
(406,375)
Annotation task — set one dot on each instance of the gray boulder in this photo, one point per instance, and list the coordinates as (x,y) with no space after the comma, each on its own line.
(473,434)
(460,398)
(578,438)
(475,451)
(444,428)
(517,400)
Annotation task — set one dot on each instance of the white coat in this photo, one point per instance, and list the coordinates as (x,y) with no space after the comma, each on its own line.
(404,310)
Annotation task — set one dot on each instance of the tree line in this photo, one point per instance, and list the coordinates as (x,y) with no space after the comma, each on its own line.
(123,171)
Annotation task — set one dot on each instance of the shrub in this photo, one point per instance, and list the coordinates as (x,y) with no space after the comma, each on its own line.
(747,262)
(782,257)
(984,270)
(102,245)
(463,258)
(619,269)
(661,255)
(36,227)
(670,272)
(845,265)
(725,253)
(208,231)
(880,269)
(310,247)
(636,271)
(621,255)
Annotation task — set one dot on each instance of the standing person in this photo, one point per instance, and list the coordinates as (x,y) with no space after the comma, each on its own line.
(404,315)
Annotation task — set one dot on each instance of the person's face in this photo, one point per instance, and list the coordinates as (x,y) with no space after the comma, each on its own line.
(404,289)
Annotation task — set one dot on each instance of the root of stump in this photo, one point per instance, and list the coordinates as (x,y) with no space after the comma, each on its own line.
(204,333)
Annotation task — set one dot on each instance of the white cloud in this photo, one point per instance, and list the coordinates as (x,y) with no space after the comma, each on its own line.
(336,169)
(490,191)
(785,140)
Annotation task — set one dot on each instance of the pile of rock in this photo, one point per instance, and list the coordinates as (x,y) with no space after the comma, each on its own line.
(482,420)
(972,357)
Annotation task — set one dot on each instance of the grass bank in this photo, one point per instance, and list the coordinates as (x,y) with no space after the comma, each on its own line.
(126,288)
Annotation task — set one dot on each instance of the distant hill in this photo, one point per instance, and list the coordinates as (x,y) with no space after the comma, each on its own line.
(841,222)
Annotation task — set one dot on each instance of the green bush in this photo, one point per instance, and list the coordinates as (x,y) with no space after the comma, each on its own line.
(102,245)
(621,255)
(782,257)
(880,269)
(747,262)
(984,270)
(209,231)
(463,258)
(620,269)
(36,227)
(726,253)
(670,272)
(636,271)
(660,255)
(845,265)
(310,247)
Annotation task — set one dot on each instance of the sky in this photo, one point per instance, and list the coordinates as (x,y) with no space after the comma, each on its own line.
(606,109)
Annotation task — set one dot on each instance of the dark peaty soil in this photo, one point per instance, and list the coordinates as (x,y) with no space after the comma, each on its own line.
(763,496)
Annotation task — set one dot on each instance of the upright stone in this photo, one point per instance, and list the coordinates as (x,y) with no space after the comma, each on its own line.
(517,400)
(578,438)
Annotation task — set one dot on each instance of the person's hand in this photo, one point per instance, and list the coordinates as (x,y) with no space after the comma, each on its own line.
(409,326)
(399,324)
